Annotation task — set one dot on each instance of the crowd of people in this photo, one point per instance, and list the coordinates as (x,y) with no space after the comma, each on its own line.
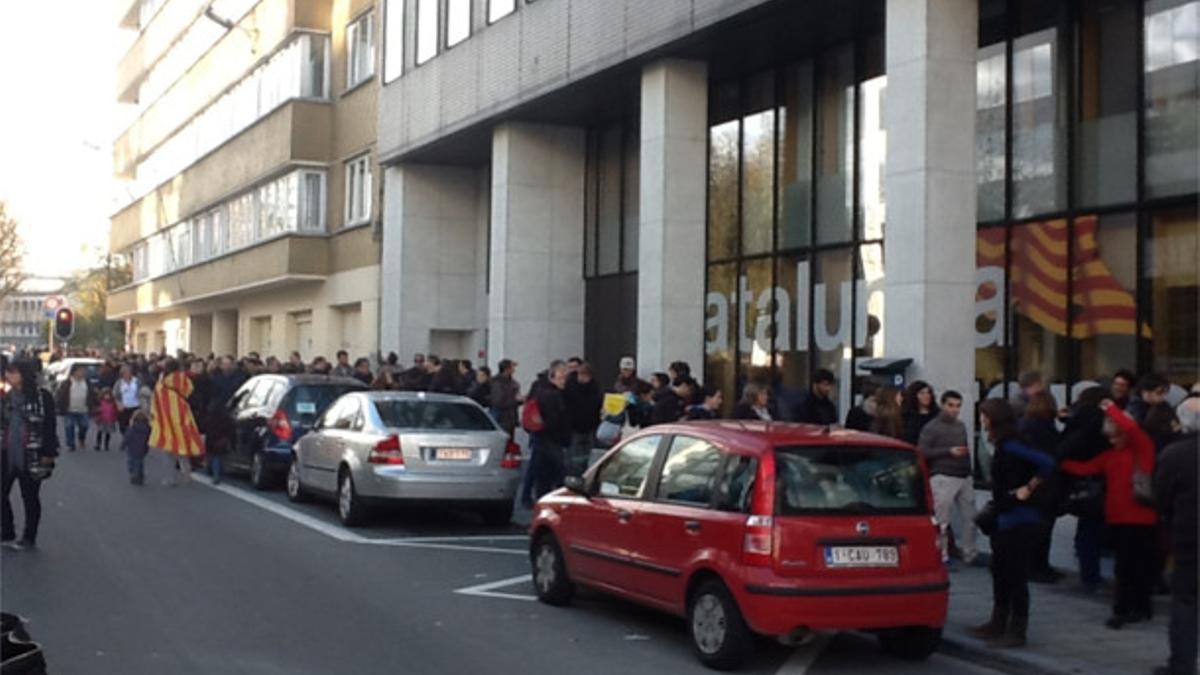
(1121,459)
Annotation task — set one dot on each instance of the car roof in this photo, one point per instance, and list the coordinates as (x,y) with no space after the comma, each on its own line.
(755,437)
(307,379)
(387,395)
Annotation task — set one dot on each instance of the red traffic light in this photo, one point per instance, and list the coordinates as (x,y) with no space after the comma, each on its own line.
(64,324)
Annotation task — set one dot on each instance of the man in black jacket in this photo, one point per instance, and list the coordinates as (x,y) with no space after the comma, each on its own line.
(815,407)
(551,442)
(583,399)
(670,404)
(28,446)
(1175,494)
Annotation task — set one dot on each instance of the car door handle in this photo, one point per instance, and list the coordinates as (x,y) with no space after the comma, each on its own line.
(692,526)
(624,516)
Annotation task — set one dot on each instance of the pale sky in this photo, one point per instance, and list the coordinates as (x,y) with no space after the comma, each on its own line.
(56,128)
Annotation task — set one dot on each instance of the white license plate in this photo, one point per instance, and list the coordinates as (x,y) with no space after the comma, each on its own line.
(861,556)
(453,454)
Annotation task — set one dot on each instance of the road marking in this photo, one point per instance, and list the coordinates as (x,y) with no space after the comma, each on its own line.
(488,590)
(474,537)
(446,547)
(804,657)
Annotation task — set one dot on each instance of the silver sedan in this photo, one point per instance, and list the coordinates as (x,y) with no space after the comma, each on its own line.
(383,446)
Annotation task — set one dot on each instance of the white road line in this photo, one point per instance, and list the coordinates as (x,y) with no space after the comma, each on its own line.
(475,537)
(445,547)
(487,590)
(804,657)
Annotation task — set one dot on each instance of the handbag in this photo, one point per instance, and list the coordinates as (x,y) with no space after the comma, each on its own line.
(988,519)
(608,433)
(1143,488)
(531,417)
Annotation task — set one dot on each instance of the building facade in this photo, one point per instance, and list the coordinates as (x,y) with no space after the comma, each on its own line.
(251,214)
(769,187)
(23,320)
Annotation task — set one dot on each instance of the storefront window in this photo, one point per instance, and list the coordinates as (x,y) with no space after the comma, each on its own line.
(1105,145)
(608,221)
(832,317)
(1038,298)
(720,325)
(631,200)
(1172,86)
(835,145)
(796,158)
(756,320)
(1173,277)
(1104,291)
(868,324)
(872,157)
(793,274)
(990,306)
(758,166)
(1039,125)
(723,190)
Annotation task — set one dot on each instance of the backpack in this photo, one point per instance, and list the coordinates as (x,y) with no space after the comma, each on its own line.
(531,417)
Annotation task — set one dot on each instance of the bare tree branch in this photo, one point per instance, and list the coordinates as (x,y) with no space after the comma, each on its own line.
(12,251)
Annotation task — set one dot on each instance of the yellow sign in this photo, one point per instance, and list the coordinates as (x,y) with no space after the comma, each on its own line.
(614,404)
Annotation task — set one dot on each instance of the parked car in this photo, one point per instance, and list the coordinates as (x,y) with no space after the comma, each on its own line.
(753,528)
(385,446)
(58,371)
(270,413)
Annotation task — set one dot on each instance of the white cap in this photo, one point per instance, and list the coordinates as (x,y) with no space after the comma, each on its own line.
(627,363)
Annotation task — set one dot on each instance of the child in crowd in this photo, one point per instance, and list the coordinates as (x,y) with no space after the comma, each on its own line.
(136,443)
(106,419)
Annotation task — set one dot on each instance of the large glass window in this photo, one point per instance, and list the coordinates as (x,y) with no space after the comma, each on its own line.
(756,319)
(832,317)
(1173,280)
(835,145)
(991,302)
(393,40)
(458,21)
(498,9)
(1172,93)
(1038,124)
(723,190)
(360,50)
(796,157)
(690,471)
(990,131)
(624,474)
(758,166)
(427,29)
(1038,302)
(720,328)
(1105,142)
(1103,294)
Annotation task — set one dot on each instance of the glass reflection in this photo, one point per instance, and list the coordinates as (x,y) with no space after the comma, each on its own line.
(872,154)
(835,151)
(1172,86)
(1105,156)
(1038,288)
(1039,133)
(722,190)
(1174,294)
(796,158)
(1103,294)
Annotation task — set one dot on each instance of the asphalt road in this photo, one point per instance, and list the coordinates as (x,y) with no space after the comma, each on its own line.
(197,579)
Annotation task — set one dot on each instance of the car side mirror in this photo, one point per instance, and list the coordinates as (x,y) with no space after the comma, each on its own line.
(577,485)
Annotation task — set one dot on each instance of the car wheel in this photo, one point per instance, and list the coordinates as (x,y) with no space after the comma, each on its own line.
(499,515)
(295,491)
(351,509)
(719,634)
(550,579)
(914,643)
(258,472)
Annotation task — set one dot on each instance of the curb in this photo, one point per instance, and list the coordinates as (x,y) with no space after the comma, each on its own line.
(1008,660)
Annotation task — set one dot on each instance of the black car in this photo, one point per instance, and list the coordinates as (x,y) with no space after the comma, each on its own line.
(270,413)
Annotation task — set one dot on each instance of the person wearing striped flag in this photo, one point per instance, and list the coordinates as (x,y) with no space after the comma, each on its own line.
(172,427)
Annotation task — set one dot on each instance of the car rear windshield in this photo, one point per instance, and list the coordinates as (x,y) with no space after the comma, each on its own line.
(313,399)
(848,479)
(434,415)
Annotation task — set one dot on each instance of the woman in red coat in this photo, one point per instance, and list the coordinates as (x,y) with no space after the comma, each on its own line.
(1131,522)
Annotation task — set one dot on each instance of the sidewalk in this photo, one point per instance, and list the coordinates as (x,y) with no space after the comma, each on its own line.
(1066,626)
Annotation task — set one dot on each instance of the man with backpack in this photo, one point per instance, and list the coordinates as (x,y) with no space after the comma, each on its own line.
(545,418)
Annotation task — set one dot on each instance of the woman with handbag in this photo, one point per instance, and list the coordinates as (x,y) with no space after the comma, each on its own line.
(29,444)
(1127,469)
(1017,470)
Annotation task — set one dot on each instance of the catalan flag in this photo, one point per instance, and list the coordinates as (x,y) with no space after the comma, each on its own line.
(1038,279)
(172,427)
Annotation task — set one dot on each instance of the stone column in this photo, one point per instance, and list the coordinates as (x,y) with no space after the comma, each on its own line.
(673,174)
(535,304)
(930,186)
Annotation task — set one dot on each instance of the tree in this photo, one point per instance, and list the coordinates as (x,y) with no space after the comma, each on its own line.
(12,253)
(87,291)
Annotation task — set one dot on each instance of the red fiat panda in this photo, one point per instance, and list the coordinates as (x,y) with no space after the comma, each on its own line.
(750,527)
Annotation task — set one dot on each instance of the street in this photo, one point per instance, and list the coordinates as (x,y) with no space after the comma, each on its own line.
(200,580)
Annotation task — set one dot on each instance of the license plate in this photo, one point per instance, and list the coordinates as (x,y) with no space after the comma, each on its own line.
(861,556)
(453,454)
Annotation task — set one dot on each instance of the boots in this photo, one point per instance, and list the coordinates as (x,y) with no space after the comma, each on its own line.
(992,628)
(1013,637)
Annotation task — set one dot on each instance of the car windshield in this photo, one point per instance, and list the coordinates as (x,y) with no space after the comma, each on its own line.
(848,479)
(312,399)
(433,415)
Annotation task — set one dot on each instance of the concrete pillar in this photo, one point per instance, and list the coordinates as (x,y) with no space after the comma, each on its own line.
(431,277)
(535,307)
(673,174)
(930,186)
(200,333)
(225,332)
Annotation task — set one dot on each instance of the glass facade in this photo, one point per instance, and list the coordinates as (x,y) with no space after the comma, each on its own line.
(1086,149)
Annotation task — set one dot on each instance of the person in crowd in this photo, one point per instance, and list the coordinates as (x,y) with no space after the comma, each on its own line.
(76,399)
(466,376)
(660,382)
(862,416)
(546,462)
(225,384)
(943,442)
(273,366)
(1151,410)
(28,448)
(918,408)
(446,379)
(755,404)
(218,442)
(816,406)
(321,366)
(1082,439)
(639,408)
(1038,430)
(127,387)
(1028,384)
(384,380)
(1175,500)
(173,429)
(709,407)
(135,441)
(888,419)
(627,378)
(201,393)
(583,400)
(295,364)
(343,367)
(506,396)
(1131,523)
(1017,470)
(418,377)
(107,416)
(671,403)
(481,389)
(573,365)
(679,369)
(1121,388)
(362,371)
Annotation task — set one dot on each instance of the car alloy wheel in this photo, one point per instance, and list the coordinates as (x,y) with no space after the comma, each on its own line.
(720,636)
(351,510)
(550,578)
(257,471)
(709,624)
(294,491)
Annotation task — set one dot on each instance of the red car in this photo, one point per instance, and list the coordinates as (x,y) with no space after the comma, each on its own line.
(750,527)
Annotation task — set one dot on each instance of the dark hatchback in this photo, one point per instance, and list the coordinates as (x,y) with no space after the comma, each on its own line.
(270,413)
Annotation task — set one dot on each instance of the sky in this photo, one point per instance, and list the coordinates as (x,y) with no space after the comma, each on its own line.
(56,129)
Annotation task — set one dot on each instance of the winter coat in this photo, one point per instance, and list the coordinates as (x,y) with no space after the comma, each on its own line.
(1175,495)
(668,407)
(813,409)
(43,438)
(136,440)
(1014,464)
(1040,434)
(915,421)
(745,411)
(556,429)
(862,417)
(936,441)
(584,401)
(1118,466)
(504,394)
(62,396)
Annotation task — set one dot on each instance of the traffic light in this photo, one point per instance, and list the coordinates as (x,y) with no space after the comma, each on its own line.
(64,324)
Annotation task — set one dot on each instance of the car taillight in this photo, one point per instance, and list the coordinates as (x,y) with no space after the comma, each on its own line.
(512,456)
(281,426)
(760,524)
(387,451)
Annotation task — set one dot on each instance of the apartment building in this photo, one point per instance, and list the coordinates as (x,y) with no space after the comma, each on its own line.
(251,176)
(23,320)
(721,181)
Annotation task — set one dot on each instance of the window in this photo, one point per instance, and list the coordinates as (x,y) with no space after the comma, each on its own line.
(1038,297)
(990,87)
(624,474)
(393,36)
(313,69)
(403,414)
(312,201)
(458,21)
(737,484)
(690,472)
(848,480)
(1172,86)
(347,410)
(427,29)
(1104,291)
(1174,294)
(1039,176)
(358,191)
(498,9)
(360,50)
(611,200)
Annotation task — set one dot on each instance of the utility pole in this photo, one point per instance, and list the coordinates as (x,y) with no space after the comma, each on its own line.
(107,290)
